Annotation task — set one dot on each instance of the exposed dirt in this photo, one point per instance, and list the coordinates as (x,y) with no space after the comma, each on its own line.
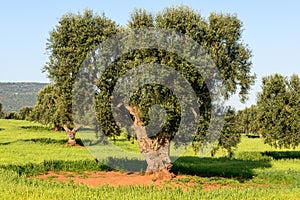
(116,178)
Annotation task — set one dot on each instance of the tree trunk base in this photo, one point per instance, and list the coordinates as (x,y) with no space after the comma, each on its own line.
(156,150)
(71,143)
(163,174)
(159,164)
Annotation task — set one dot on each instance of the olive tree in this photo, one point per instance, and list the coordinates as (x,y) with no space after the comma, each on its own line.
(68,45)
(220,35)
(45,109)
(279,111)
(248,121)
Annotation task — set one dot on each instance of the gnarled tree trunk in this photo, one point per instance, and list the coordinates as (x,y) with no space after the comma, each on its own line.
(71,135)
(155,150)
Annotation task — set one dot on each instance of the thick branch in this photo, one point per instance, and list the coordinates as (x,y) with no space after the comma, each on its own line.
(66,128)
(75,129)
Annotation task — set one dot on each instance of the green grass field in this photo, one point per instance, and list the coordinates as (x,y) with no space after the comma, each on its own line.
(256,172)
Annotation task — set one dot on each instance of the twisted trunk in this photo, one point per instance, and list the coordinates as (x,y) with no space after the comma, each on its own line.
(71,135)
(155,150)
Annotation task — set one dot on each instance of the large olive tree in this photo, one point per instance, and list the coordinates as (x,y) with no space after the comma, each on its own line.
(220,35)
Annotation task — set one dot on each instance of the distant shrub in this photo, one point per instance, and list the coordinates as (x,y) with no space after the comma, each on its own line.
(25,112)
(12,115)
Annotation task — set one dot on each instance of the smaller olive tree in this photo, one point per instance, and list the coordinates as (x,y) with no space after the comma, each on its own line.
(230,136)
(279,116)
(12,115)
(25,113)
(248,121)
(68,45)
(44,111)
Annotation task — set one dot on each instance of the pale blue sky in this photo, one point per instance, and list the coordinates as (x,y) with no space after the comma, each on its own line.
(272,30)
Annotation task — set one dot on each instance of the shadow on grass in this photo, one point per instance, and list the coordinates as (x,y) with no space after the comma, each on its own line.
(125,164)
(205,167)
(36,128)
(282,154)
(221,167)
(5,143)
(44,141)
(52,141)
(31,169)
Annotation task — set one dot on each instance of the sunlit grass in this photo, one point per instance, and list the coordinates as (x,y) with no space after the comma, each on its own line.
(20,145)
(257,171)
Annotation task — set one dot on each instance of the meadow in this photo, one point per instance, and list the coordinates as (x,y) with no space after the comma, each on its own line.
(28,149)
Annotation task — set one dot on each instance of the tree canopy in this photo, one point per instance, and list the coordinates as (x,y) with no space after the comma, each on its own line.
(220,35)
(68,45)
(279,111)
(45,110)
(248,121)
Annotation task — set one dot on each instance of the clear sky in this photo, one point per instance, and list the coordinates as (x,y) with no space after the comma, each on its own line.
(271,29)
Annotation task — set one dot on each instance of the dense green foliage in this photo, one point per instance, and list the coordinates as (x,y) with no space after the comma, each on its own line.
(220,35)
(248,121)
(68,45)
(12,115)
(230,136)
(45,110)
(25,113)
(279,111)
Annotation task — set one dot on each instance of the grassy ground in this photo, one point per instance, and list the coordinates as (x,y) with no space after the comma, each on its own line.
(256,172)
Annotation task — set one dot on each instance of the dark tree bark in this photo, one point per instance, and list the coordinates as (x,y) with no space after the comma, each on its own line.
(156,150)
(71,135)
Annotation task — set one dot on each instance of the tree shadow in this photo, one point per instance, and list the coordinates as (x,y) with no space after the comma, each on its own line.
(52,141)
(220,167)
(44,141)
(31,169)
(37,128)
(5,143)
(277,155)
(205,167)
(125,164)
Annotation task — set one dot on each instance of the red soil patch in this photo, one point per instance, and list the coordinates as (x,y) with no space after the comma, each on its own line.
(116,178)
(113,178)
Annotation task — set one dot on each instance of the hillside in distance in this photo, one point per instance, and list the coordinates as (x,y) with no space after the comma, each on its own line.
(14,96)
